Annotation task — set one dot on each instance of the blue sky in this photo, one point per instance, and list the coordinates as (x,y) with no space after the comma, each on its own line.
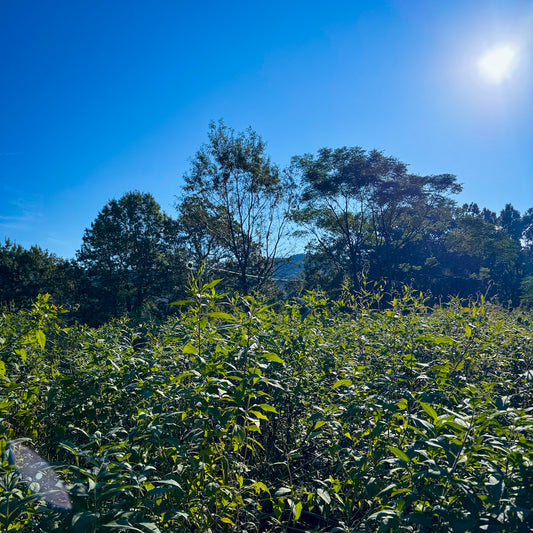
(103,97)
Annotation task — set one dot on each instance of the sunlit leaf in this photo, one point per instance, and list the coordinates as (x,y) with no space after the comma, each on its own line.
(342,383)
(297,511)
(183,302)
(429,410)
(282,491)
(323,494)
(259,486)
(273,357)
(22,352)
(211,284)
(267,407)
(189,348)
(41,338)
(398,453)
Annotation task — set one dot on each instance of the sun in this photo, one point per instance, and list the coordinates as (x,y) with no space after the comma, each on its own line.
(498,63)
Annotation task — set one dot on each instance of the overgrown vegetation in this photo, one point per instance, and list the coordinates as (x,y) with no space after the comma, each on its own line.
(373,413)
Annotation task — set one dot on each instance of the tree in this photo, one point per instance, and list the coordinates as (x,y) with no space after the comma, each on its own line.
(24,273)
(364,211)
(482,254)
(527,221)
(131,255)
(490,250)
(526,292)
(234,207)
(527,242)
(511,222)
(520,229)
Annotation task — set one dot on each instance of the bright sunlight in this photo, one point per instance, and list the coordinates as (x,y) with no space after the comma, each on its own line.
(498,63)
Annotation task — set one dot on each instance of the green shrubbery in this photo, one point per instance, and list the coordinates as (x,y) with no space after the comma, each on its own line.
(371,414)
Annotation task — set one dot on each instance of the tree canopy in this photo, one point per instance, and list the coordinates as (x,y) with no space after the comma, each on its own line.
(234,207)
(365,211)
(24,273)
(131,255)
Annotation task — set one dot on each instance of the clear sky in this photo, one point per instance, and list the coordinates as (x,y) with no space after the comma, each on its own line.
(101,97)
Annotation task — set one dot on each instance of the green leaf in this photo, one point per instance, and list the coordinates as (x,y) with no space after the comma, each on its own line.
(398,453)
(259,486)
(84,520)
(438,339)
(171,482)
(23,353)
(429,410)
(183,302)
(402,404)
(267,407)
(442,339)
(121,525)
(220,314)
(342,383)
(297,511)
(2,369)
(282,491)
(387,489)
(41,338)
(226,520)
(189,348)
(388,519)
(150,526)
(211,284)
(319,424)
(258,414)
(273,357)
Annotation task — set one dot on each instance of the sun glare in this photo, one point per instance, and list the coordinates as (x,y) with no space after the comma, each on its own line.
(498,63)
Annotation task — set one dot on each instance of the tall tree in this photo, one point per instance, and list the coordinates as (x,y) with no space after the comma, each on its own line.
(234,206)
(511,221)
(527,241)
(131,255)
(364,211)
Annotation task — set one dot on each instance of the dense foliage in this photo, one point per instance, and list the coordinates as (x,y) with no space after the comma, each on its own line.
(373,413)
(366,212)
(24,273)
(363,211)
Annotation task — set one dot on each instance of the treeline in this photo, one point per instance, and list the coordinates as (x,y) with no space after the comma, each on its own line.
(360,216)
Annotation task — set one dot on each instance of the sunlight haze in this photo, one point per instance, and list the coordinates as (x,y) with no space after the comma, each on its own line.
(498,63)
